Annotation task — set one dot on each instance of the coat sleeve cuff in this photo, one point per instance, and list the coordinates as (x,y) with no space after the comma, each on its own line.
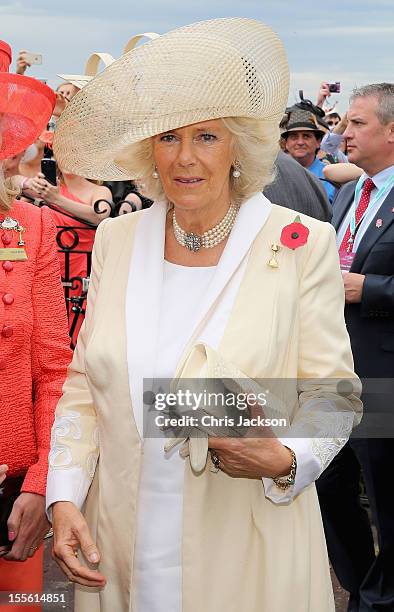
(35,478)
(70,485)
(308,470)
(377,296)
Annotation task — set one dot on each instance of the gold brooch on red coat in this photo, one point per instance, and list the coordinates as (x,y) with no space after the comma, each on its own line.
(9,227)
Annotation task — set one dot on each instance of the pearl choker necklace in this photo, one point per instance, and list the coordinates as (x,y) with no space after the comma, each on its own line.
(210,238)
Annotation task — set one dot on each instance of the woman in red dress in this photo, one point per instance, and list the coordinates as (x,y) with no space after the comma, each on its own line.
(73,196)
(34,351)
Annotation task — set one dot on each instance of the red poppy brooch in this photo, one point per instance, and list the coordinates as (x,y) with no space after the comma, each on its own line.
(294,235)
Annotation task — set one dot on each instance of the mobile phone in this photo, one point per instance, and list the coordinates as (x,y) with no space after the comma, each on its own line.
(33,58)
(48,168)
(334,87)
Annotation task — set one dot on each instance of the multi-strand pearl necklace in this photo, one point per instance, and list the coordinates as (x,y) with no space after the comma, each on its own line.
(210,238)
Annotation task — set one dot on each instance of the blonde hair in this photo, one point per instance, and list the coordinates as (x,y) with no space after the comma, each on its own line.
(255,143)
(8,191)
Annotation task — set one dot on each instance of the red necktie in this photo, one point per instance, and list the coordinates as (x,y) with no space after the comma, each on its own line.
(360,210)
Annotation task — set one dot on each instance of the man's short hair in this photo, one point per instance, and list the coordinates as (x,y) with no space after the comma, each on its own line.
(384,92)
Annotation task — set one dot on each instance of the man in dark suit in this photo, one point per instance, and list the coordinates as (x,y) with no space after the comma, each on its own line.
(363,215)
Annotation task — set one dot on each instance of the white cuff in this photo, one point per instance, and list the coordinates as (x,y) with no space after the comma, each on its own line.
(308,470)
(69,484)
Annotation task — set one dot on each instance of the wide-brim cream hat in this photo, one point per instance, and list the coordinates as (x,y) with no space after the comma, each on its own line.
(219,68)
(91,69)
(94,60)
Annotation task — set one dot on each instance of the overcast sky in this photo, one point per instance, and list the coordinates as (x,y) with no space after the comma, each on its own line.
(351,41)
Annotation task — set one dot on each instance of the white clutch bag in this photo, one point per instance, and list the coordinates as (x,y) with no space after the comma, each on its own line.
(222,389)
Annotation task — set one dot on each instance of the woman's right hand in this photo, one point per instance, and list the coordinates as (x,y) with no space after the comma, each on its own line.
(21,63)
(70,532)
(61,103)
(3,472)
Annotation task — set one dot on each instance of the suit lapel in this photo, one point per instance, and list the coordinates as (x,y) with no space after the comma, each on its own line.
(374,233)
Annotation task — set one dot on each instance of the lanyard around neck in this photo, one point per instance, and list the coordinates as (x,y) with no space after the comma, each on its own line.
(357,195)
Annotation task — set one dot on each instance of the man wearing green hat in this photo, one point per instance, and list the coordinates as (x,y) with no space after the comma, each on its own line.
(303,133)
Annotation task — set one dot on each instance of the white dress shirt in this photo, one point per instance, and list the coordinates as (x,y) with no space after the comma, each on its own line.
(379,180)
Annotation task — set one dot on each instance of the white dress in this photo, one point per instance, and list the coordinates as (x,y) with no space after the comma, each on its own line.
(157,558)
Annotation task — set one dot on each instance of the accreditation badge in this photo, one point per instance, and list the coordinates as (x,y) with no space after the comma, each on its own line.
(346,260)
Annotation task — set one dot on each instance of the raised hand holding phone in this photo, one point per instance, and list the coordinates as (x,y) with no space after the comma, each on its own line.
(41,188)
(323,93)
(48,169)
(32,58)
(334,87)
(25,59)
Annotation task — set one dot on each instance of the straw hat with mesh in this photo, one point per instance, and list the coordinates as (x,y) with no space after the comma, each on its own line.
(219,68)
(26,105)
(91,69)
(94,60)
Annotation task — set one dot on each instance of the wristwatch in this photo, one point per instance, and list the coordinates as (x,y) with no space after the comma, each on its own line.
(284,482)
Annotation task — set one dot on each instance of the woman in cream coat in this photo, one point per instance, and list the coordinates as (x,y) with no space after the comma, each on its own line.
(256,296)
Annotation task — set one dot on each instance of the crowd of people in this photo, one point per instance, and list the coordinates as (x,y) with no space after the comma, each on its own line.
(259,248)
(78,205)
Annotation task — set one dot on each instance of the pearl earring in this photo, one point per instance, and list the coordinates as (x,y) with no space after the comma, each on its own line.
(155,173)
(236,170)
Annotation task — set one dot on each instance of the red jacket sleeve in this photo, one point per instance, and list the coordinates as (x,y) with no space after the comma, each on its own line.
(50,349)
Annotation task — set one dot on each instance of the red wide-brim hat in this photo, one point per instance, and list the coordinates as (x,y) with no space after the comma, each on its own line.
(26,105)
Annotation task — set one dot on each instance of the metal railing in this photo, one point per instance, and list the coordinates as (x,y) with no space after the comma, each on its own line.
(68,243)
(76,287)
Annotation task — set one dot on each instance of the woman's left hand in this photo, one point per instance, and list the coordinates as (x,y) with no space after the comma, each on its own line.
(252,457)
(27,526)
(61,103)
(44,190)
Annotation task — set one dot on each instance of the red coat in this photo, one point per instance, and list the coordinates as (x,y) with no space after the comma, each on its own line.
(34,346)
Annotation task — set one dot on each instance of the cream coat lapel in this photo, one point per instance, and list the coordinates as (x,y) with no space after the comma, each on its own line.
(143,302)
